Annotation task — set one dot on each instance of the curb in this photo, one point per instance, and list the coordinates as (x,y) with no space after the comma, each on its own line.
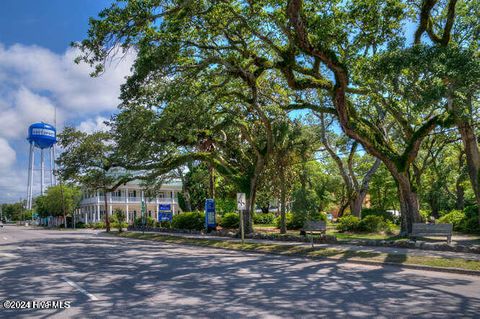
(351,261)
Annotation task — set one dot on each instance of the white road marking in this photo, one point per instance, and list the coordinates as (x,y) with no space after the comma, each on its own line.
(5,238)
(74,285)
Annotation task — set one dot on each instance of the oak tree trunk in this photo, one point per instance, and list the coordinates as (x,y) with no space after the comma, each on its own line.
(283,203)
(409,205)
(472,154)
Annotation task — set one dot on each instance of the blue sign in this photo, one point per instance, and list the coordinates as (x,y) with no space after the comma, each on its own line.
(210,213)
(164,207)
(165,217)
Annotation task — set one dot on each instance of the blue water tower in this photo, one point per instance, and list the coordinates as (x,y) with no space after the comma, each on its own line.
(42,136)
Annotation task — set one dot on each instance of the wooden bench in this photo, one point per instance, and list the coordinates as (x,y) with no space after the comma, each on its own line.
(314,226)
(434,230)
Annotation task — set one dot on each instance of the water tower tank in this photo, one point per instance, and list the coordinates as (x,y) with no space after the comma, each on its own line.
(43,135)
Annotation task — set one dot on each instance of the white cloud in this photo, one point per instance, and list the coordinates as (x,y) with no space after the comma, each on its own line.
(93,125)
(8,155)
(25,108)
(69,84)
(35,81)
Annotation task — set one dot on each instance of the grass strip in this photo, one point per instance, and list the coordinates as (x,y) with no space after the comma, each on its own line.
(304,251)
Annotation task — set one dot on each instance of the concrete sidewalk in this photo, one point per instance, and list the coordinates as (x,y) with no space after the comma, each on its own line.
(344,247)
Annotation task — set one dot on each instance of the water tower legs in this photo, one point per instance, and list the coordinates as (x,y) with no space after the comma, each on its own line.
(53,178)
(42,171)
(30,176)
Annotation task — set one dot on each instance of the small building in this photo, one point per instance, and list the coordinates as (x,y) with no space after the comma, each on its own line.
(128,198)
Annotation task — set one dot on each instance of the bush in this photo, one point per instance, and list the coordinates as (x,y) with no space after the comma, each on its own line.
(348,223)
(80,225)
(455,217)
(261,218)
(230,220)
(372,224)
(290,221)
(377,212)
(189,220)
(470,225)
(425,214)
(163,224)
(118,220)
(389,227)
(98,225)
(296,221)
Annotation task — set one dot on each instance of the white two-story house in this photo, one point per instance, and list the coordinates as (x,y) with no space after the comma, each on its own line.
(128,198)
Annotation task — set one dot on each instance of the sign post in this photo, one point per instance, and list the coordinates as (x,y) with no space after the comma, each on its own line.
(241,206)
(210,222)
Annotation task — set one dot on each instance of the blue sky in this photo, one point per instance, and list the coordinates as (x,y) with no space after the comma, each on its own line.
(37,76)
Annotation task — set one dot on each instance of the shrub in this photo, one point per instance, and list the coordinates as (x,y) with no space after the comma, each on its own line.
(118,220)
(98,225)
(348,223)
(261,218)
(425,214)
(151,222)
(189,220)
(470,225)
(296,221)
(455,218)
(80,225)
(372,224)
(290,221)
(230,220)
(163,224)
(377,212)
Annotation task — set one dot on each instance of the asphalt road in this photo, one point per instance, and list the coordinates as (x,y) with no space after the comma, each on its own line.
(105,276)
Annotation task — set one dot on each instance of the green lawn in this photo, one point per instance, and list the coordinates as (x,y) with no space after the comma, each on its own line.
(331,230)
(305,251)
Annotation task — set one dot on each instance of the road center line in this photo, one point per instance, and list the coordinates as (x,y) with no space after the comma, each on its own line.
(83,291)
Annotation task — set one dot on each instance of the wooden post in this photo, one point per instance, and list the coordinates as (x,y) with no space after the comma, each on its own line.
(242,230)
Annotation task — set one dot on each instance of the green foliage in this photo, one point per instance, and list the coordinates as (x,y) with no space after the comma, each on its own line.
(425,214)
(80,225)
(470,225)
(454,217)
(464,221)
(261,218)
(348,223)
(56,198)
(97,225)
(371,224)
(163,224)
(230,220)
(224,205)
(378,212)
(189,220)
(305,207)
(118,220)
(13,211)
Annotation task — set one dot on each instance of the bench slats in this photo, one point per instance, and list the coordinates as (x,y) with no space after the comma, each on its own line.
(432,228)
(425,230)
(314,225)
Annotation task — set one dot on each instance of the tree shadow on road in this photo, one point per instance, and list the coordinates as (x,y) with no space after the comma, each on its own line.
(153,279)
